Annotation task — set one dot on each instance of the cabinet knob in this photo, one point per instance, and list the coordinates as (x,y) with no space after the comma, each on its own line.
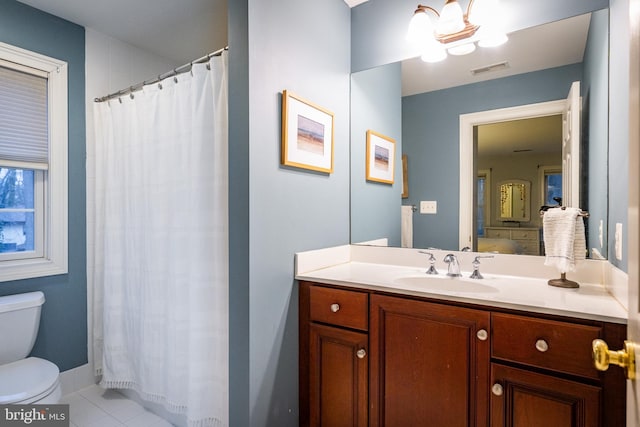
(482,335)
(542,346)
(497,389)
(335,307)
(361,353)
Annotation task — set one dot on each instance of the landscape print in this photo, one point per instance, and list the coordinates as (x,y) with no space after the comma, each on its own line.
(310,135)
(381,158)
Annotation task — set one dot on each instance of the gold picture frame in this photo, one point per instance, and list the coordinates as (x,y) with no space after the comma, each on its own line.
(380,158)
(405,176)
(307,134)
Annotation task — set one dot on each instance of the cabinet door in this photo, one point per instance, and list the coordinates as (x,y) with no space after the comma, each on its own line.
(527,399)
(338,377)
(429,365)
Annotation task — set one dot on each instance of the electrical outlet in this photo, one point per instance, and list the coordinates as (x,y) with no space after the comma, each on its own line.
(618,241)
(428,207)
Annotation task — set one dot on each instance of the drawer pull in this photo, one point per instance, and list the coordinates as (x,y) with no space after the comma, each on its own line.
(542,346)
(361,353)
(335,307)
(482,335)
(497,389)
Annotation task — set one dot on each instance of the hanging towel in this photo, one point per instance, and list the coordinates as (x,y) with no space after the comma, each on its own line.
(564,241)
(406,228)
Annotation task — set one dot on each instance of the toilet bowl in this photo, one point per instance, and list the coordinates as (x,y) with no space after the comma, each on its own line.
(31,380)
(24,380)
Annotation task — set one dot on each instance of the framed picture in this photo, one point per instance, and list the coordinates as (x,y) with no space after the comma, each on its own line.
(307,134)
(405,176)
(380,157)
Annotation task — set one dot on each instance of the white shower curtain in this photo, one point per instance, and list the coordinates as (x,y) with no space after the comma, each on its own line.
(161,243)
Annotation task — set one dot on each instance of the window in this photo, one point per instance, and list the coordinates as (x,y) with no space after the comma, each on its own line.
(33,164)
(483,207)
(551,180)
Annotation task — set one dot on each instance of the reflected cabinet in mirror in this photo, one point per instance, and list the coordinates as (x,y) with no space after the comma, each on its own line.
(423,106)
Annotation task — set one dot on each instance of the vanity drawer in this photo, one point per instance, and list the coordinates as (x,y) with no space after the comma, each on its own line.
(524,234)
(339,307)
(554,345)
(497,234)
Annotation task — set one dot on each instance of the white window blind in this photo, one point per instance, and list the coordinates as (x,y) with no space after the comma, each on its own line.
(24,134)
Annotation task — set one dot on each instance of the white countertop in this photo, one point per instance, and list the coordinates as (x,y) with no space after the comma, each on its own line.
(532,294)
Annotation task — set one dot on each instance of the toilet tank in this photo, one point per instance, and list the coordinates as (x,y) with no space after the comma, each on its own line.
(19,322)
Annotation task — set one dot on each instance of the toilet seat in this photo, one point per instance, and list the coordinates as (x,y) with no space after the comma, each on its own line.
(27,381)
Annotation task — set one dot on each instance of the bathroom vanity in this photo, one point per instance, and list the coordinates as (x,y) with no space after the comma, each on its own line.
(381,346)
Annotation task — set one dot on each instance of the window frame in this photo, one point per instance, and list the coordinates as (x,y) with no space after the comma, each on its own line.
(543,171)
(53,259)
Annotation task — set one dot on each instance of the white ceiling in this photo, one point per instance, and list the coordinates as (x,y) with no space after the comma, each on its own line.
(537,48)
(537,136)
(180,31)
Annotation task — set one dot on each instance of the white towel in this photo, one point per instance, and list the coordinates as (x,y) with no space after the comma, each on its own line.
(564,241)
(406,227)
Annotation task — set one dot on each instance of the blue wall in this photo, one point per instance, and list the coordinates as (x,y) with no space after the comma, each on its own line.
(376,104)
(430,130)
(276,211)
(595,116)
(619,126)
(63,326)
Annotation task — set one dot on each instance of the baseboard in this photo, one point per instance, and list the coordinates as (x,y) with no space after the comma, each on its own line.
(76,379)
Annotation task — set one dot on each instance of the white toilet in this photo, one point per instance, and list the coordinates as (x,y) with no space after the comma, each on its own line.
(24,380)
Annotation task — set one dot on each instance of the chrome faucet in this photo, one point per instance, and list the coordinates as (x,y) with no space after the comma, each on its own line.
(453,270)
(432,263)
(476,267)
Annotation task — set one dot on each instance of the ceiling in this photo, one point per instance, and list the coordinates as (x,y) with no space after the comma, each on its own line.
(536,48)
(180,31)
(519,137)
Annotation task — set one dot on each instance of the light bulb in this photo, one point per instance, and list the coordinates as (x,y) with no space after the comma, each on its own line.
(420,27)
(451,19)
(433,52)
(491,37)
(463,49)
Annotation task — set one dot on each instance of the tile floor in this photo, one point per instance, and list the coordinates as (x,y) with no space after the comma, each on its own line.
(96,407)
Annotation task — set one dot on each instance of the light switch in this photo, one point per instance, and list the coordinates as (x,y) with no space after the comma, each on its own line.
(618,241)
(428,207)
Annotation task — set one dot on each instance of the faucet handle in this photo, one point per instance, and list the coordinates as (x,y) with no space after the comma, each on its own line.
(476,260)
(431,257)
(432,261)
(476,267)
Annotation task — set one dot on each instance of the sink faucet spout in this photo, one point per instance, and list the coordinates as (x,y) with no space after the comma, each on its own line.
(453,269)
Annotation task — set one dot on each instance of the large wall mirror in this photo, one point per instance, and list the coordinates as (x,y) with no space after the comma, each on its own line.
(420,105)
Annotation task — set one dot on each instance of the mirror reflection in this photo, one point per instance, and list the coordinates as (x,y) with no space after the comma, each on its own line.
(515,200)
(430,111)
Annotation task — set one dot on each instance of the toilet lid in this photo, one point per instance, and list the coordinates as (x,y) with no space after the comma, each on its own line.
(26,378)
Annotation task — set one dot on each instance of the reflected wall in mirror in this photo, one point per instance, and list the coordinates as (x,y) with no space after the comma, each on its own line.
(431,129)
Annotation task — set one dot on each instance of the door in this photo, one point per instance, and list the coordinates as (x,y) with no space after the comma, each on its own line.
(338,377)
(429,364)
(571,148)
(528,398)
(633,233)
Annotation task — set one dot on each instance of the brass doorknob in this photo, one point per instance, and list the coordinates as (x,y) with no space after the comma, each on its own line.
(603,357)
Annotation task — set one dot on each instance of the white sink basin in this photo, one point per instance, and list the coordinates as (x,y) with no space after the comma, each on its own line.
(445,284)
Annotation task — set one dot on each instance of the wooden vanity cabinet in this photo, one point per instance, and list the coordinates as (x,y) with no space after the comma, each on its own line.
(429,364)
(334,368)
(390,360)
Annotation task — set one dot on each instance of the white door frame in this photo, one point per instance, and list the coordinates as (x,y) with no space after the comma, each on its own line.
(467,123)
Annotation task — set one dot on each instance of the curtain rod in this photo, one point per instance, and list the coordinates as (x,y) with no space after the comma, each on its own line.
(178,70)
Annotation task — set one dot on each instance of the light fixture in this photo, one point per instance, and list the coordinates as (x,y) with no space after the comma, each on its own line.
(455,31)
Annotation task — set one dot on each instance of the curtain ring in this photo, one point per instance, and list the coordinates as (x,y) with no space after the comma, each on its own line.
(120,100)
(208,66)
(175,79)
(159,85)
